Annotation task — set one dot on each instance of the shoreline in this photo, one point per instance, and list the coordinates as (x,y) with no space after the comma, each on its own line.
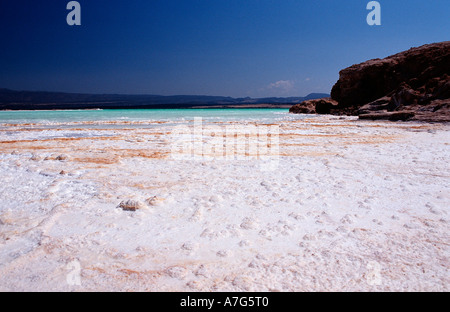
(126,108)
(168,107)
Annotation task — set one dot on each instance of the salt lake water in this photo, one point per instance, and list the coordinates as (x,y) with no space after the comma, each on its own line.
(110,117)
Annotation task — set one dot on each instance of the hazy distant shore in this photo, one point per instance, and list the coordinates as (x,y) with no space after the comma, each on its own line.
(32,100)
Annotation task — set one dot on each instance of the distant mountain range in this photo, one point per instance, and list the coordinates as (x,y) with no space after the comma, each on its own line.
(38,100)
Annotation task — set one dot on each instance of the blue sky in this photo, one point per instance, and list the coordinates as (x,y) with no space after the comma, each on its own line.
(233,48)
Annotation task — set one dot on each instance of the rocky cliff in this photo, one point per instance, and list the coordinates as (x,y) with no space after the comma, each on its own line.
(411,85)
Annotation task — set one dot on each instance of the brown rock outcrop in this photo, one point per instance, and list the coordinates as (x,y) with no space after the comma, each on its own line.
(411,85)
(319,106)
(305,107)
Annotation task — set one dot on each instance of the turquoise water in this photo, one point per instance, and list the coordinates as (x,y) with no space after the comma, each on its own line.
(76,116)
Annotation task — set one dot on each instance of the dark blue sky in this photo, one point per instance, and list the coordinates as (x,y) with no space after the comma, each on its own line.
(212,47)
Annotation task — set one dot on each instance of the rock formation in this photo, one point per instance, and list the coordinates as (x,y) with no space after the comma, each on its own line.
(411,85)
(320,106)
(131,205)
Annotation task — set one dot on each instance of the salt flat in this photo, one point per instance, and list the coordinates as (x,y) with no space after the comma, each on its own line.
(345,205)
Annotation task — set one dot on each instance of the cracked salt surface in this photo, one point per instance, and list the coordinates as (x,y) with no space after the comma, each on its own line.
(351,205)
